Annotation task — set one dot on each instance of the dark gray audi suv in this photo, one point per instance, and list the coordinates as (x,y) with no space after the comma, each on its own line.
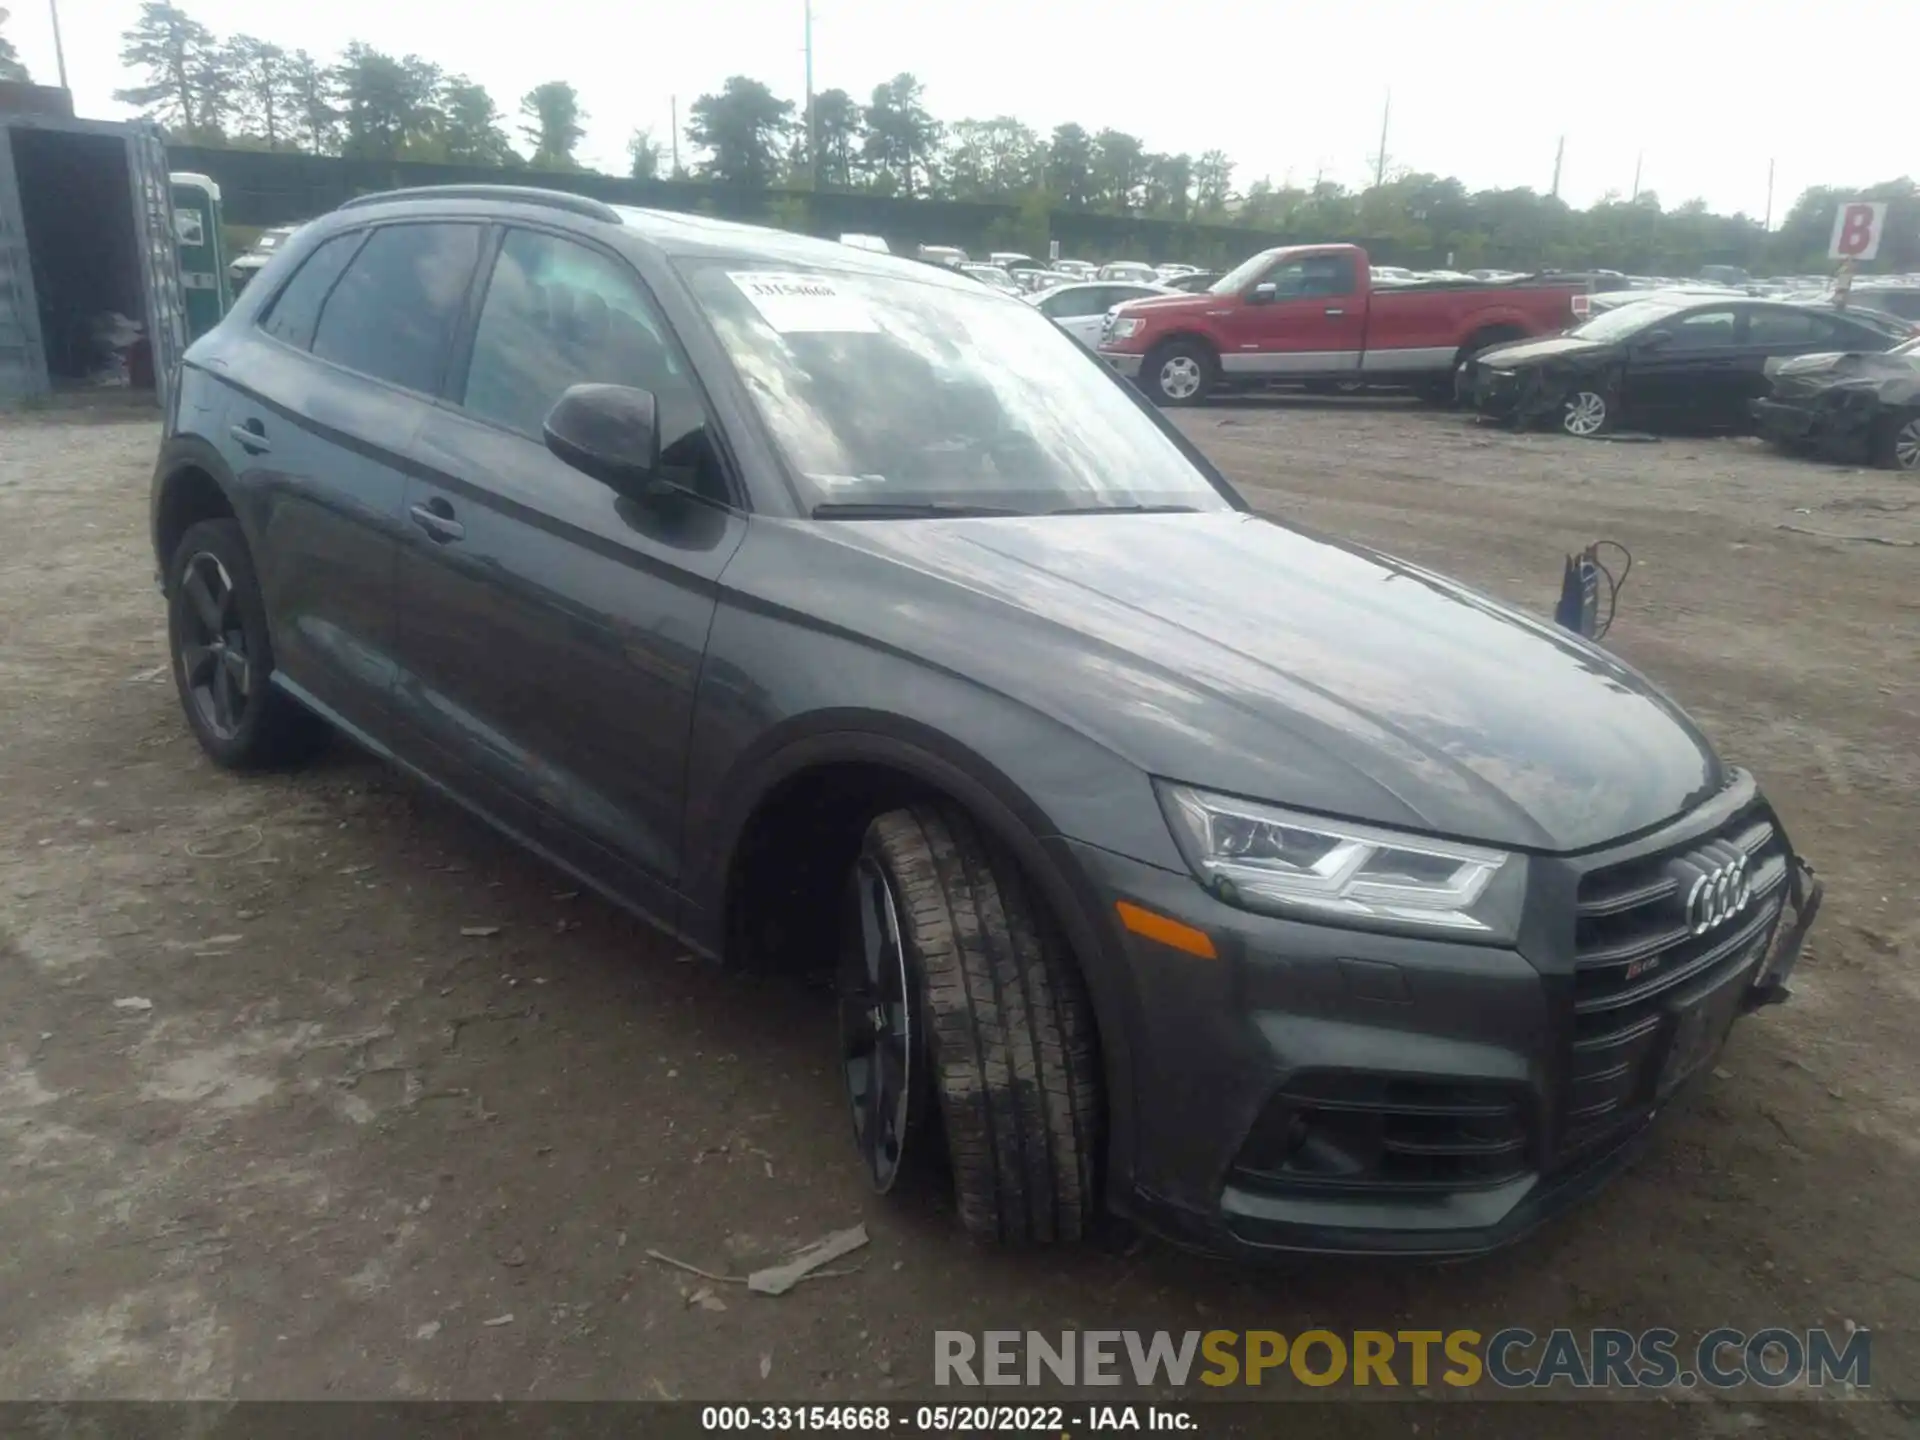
(831,610)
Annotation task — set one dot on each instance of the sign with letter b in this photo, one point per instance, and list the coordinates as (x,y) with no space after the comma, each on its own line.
(1856,230)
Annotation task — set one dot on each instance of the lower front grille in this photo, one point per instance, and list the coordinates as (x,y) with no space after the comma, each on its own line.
(1353,1131)
(1655,935)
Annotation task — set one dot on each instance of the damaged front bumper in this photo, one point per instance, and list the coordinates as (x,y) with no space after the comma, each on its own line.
(1804,893)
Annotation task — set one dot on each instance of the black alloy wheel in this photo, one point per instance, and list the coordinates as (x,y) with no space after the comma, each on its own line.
(878,1043)
(222,652)
(218,674)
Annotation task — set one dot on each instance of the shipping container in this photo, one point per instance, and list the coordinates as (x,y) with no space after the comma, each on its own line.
(90,290)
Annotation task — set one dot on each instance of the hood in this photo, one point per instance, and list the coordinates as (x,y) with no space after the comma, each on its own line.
(1233,653)
(1532,352)
(1894,378)
(1189,304)
(1807,364)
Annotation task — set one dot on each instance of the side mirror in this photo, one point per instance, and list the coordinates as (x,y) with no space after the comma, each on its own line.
(610,432)
(1263,293)
(1656,339)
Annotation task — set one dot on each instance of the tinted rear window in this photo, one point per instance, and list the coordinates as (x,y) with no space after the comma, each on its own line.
(298,304)
(393,312)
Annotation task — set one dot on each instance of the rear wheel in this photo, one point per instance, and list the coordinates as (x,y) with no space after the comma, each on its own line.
(223,657)
(960,1010)
(1585,413)
(1898,446)
(1180,373)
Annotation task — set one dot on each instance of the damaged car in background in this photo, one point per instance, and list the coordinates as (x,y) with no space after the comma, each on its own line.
(1847,406)
(1682,363)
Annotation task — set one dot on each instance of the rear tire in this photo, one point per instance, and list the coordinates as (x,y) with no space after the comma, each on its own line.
(1004,1034)
(1897,445)
(1181,372)
(223,656)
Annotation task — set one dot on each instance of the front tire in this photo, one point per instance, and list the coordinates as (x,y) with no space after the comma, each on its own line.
(1897,446)
(1181,372)
(223,656)
(1585,414)
(997,1027)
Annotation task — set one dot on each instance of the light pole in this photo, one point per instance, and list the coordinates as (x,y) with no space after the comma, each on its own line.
(813,128)
(59,51)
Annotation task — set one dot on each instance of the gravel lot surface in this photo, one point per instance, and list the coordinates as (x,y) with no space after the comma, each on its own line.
(312,1087)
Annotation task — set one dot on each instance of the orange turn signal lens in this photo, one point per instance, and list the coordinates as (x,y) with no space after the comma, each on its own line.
(1166,931)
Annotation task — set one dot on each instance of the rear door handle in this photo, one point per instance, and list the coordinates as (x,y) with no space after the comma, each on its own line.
(1335,310)
(251,437)
(436,518)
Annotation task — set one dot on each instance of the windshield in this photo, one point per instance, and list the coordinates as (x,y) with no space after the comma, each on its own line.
(1622,321)
(992,275)
(1242,275)
(882,390)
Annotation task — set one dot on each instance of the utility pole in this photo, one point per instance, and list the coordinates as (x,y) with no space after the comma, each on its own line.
(1559,154)
(1380,163)
(674,101)
(813,127)
(1636,174)
(1767,224)
(59,50)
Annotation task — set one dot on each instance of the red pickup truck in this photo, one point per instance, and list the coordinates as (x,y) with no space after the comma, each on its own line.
(1310,313)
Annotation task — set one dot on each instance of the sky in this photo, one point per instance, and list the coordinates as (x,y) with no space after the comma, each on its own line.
(1702,95)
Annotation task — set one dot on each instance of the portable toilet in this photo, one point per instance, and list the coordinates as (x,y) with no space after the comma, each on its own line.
(198,227)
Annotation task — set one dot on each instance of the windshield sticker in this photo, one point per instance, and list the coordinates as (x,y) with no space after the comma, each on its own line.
(793,303)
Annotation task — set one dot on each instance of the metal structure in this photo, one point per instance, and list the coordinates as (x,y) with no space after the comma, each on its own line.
(147,216)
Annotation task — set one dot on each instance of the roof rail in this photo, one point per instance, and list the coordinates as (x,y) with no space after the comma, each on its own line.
(513,194)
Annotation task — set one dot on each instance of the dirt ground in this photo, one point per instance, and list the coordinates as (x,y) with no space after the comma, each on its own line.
(277,1121)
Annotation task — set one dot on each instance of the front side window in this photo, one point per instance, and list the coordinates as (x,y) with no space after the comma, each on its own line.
(392,314)
(297,307)
(558,314)
(1313,276)
(881,389)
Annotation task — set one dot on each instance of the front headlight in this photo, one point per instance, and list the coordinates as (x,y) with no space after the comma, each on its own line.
(1125,328)
(1261,857)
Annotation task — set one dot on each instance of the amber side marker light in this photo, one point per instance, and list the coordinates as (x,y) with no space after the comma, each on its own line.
(1166,931)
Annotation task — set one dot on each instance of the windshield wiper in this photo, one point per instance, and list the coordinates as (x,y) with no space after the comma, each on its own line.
(904,510)
(1124,510)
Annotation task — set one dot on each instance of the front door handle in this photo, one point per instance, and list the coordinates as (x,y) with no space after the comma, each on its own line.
(1335,310)
(251,437)
(436,518)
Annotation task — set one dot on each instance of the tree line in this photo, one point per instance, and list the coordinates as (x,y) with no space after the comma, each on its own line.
(366,104)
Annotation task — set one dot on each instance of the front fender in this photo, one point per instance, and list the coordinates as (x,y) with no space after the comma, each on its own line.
(780,695)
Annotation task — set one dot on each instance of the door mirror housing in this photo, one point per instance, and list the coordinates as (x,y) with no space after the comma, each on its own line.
(1656,340)
(1263,293)
(611,432)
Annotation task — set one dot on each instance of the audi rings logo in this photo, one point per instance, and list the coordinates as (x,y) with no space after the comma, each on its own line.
(1717,888)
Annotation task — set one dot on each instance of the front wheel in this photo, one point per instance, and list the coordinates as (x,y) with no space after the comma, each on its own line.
(1585,413)
(1181,373)
(960,1004)
(1898,446)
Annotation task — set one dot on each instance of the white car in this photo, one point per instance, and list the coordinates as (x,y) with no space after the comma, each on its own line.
(1131,271)
(991,275)
(1081,309)
(1079,269)
(1034,281)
